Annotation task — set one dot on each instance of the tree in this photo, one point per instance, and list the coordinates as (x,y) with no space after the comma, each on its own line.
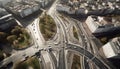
(18,27)
(11,38)
(15,31)
(104,40)
(2,34)
(21,39)
(1,55)
(3,37)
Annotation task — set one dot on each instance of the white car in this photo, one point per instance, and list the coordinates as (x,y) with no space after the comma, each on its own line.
(75,47)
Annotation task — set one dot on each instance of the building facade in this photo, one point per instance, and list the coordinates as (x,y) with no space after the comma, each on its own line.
(112,48)
(98,24)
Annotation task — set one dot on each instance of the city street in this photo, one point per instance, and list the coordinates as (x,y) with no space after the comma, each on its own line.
(53,54)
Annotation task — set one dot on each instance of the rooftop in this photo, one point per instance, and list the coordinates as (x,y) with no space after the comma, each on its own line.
(3,12)
(18,6)
(106,20)
(4,15)
(112,48)
(97,4)
(116,44)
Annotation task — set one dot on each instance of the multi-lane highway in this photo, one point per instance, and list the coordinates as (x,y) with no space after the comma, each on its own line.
(62,42)
(88,55)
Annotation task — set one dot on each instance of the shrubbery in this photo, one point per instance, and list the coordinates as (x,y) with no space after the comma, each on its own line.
(18,37)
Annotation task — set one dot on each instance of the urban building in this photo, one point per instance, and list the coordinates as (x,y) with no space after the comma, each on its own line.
(112,48)
(6,20)
(81,11)
(22,8)
(98,24)
(4,2)
(94,7)
(65,8)
(44,3)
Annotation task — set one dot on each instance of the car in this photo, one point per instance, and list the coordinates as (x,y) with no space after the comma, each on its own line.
(37,46)
(85,41)
(66,47)
(32,24)
(10,64)
(7,66)
(40,60)
(49,49)
(41,49)
(75,47)
(49,46)
(82,34)
(37,54)
(63,47)
(33,29)
(56,43)
(65,41)
(26,57)
(24,54)
(37,38)
(44,49)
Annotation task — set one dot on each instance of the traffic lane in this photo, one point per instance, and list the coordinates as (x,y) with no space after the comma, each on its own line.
(44,65)
(100,64)
(61,62)
(86,64)
(53,58)
(81,50)
(47,60)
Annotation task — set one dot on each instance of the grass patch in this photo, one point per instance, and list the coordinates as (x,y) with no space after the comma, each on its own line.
(75,33)
(47,27)
(30,62)
(76,62)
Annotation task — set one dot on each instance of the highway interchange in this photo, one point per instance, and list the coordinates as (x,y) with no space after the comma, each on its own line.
(52,54)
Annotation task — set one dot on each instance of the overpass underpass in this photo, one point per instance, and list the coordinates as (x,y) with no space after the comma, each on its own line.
(87,54)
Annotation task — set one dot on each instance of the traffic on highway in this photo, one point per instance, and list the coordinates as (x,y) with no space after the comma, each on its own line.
(53,54)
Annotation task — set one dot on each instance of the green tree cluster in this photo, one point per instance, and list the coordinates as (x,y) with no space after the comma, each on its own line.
(3,36)
(18,37)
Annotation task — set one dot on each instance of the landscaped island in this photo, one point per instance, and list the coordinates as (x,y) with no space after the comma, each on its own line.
(75,33)
(76,62)
(47,27)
